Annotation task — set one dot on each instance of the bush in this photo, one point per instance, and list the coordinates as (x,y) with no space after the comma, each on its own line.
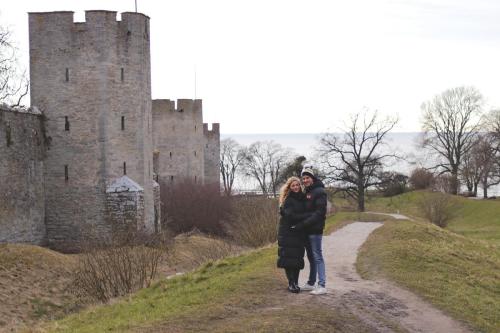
(392,183)
(188,205)
(438,208)
(118,266)
(254,221)
(445,183)
(421,179)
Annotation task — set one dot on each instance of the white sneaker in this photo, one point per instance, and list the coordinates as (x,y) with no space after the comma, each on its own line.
(307,287)
(319,291)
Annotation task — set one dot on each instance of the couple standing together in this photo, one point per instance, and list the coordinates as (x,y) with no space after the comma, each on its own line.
(303,214)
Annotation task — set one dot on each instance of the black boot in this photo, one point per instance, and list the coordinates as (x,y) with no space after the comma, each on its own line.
(292,286)
(296,279)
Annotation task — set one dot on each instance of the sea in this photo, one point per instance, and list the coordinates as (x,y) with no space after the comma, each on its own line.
(407,145)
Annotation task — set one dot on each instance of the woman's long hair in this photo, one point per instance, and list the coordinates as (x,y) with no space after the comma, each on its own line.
(285,189)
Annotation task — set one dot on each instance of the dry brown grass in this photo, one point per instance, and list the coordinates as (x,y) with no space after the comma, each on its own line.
(34,285)
(194,249)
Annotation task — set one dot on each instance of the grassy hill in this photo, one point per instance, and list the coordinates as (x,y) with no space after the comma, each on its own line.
(34,285)
(239,294)
(457,268)
(479,219)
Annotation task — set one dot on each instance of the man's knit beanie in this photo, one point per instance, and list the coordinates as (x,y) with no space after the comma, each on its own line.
(308,170)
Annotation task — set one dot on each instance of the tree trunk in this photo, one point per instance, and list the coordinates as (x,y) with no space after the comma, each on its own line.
(454,182)
(361,201)
(485,187)
(475,189)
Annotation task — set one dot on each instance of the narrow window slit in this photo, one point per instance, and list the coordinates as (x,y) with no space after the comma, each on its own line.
(67,74)
(66,173)
(122,74)
(66,123)
(124,168)
(123,123)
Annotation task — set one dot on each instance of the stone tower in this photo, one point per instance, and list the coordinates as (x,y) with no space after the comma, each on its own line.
(178,140)
(212,154)
(92,80)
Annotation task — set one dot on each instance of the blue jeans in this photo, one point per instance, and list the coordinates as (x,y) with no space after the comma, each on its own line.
(316,262)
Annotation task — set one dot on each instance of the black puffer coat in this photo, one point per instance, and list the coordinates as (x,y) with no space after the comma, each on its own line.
(291,242)
(316,201)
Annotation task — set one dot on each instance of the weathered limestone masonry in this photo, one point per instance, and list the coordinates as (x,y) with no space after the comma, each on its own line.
(22,147)
(125,204)
(184,147)
(212,153)
(92,80)
(178,137)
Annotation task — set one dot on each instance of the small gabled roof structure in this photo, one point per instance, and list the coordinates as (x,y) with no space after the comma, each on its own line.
(124,184)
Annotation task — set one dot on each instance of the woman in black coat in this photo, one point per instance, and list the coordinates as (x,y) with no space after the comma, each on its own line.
(291,243)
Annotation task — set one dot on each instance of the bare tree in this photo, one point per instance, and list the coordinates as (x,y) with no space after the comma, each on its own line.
(353,160)
(493,128)
(470,170)
(264,162)
(231,157)
(451,120)
(488,161)
(14,85)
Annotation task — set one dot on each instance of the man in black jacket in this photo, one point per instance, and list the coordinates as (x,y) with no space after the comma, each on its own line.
(316,201)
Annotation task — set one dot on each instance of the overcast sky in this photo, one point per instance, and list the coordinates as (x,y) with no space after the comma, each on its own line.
(302,66)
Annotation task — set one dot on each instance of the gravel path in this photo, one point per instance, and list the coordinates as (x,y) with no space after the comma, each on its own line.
(382,305)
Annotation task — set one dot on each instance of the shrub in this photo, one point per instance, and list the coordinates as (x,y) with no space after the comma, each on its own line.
(392,183)
(445,183)
(118,266)
(421,179)
(254,221)
(438,208)
(188,205)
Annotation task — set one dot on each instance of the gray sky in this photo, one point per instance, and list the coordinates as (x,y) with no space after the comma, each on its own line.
(290,66)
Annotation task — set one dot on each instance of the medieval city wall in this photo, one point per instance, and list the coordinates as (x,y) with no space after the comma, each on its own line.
(178,139)
(93,82)
(22,196)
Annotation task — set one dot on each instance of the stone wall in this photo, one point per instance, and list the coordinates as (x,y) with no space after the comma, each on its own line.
(124,206)
(22,148)
(93,82)
(178,139)
(212,154)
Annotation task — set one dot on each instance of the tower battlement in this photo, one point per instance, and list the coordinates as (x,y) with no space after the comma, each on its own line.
(214,131)
(181,105)
(94,19)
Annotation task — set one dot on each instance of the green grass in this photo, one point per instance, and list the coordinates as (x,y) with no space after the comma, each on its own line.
(238,294)
(478,219)
(184,295)
(456,273)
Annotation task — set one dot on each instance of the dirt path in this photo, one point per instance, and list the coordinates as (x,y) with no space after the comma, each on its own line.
(380,304)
